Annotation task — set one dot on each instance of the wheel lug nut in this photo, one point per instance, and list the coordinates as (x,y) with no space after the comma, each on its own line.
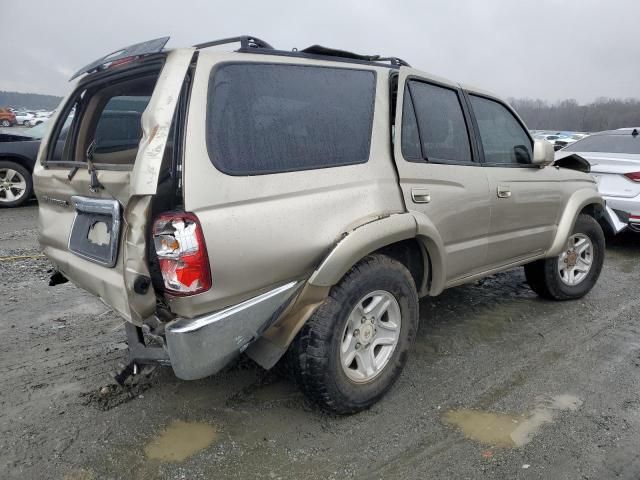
(356,332)
(363,320)
(358,346)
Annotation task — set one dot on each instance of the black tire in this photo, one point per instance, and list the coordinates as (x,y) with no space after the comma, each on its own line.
(543,275)
(5,123)
(28,192)
(26,123)
(314,356)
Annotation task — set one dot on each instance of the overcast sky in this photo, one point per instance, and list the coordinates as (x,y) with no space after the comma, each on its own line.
(548,49)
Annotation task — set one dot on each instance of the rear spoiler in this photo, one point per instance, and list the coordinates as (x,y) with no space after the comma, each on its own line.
(135,50)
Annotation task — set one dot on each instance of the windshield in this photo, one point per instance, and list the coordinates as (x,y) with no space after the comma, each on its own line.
(607,144)
(39,131)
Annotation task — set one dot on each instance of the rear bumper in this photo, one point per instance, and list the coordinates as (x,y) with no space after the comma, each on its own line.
(623,212)
(202,346)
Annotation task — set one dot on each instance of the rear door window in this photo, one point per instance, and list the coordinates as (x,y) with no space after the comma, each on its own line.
(433,125)
(270,118)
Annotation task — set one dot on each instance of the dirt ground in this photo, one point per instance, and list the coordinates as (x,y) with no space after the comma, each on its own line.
(500,384)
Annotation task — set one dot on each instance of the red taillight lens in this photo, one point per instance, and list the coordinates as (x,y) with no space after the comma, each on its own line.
(633,176)
(182,253)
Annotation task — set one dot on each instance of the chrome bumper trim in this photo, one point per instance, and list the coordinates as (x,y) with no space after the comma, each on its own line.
(201,346)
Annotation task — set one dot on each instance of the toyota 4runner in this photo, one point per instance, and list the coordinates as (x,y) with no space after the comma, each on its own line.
(300,203)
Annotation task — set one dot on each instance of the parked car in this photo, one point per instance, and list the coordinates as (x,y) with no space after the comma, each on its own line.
(40,117)
(7,117)
(614,156)
(298,204)
(25,118)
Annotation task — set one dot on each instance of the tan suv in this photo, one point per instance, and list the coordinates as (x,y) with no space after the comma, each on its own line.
(271,202)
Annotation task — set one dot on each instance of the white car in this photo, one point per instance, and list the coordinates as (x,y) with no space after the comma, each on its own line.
(614,156)
(25,118)
(40,117)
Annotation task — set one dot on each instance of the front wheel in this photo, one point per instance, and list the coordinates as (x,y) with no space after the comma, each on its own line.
(354,347)
(574,272)
(5,123)
(16,184)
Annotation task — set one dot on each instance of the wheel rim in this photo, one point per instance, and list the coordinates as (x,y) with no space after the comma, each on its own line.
(370,336)
(575,262)
(13,185)
(5,123)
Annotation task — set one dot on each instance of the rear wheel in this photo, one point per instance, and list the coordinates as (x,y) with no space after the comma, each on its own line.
(354,347)
(5,123)
(16,184)
(574,272)
(26,123)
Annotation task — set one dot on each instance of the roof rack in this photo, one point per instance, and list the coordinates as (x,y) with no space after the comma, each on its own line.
(246,42)
(249,42)
(332,52)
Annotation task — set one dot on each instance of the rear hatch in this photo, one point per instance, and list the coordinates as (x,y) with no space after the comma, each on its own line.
(98,171)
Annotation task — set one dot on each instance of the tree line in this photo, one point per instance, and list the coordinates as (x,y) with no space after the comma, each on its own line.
(602,114)
(29,101)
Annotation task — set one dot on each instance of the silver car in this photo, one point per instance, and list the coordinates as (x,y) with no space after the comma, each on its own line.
(297,205)
(614,156)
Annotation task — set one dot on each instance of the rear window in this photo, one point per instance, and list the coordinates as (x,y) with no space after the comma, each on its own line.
(267,118)
(626,143)
(109,125)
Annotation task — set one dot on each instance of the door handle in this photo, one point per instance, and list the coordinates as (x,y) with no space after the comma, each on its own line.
(504,191)
(420,195)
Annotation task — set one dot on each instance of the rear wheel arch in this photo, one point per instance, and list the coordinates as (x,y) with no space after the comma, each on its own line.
(22,161)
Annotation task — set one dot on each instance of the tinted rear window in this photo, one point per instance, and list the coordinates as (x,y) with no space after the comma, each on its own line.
(266,118)
(607,144)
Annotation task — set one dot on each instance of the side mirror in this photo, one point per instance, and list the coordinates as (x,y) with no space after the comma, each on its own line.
(543,153)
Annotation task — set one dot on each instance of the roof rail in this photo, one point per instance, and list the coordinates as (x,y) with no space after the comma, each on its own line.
(331,52)
(246,42)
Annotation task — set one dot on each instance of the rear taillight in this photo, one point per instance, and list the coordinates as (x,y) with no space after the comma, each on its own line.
(633,176)
(182,253)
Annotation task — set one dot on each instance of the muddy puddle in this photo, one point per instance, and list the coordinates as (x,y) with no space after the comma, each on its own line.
(509,430)
(180,440)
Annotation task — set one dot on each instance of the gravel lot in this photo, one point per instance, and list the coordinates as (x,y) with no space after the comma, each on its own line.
(500,384)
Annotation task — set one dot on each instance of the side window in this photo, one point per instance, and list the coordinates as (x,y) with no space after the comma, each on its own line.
(503,138)
(433,125)
(271,118)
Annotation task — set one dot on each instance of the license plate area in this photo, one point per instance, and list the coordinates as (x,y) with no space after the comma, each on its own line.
(95,233)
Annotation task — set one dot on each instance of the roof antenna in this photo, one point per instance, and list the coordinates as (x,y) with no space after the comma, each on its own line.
(634,133)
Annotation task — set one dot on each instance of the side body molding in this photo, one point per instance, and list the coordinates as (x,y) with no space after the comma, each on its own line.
(580,199)
(361,241)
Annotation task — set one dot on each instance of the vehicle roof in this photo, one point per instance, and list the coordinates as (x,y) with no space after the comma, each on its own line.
(253,45)
(619,131)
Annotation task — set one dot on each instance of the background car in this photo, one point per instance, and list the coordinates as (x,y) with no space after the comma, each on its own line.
(7,117)
(40,117)
(24,118)
(614,156)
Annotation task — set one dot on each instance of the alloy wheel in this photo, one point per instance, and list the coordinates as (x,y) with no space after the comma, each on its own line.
(13,185)
(370,336)
(575,262)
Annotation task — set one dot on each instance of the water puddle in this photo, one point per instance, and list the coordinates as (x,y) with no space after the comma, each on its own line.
(180,440)
(509,430)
